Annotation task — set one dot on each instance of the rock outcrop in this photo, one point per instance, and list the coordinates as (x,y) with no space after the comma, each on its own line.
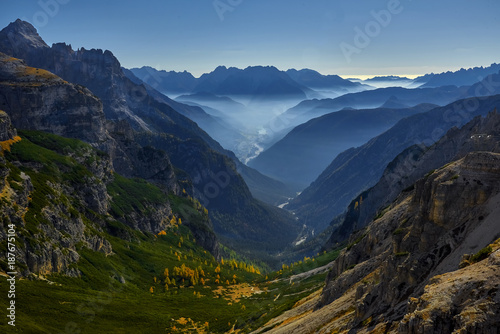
(7,131)
(463,301)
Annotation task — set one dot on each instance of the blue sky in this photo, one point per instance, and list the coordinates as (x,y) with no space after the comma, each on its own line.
(344,37)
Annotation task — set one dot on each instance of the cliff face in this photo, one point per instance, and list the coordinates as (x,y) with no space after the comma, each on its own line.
(7,131)
(426,231)
(38,99)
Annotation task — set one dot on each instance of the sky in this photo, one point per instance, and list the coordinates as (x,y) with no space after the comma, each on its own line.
(361,38)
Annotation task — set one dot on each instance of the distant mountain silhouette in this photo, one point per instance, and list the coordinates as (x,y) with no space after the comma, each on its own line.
(254,81)
(393,78)
(315,80)
(463,77)
(216,127)
(309,109)
(166,82)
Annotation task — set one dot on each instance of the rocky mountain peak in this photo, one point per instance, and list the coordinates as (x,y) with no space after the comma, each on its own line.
(20,35)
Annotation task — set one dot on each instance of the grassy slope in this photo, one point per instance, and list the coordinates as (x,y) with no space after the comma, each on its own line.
(97,302)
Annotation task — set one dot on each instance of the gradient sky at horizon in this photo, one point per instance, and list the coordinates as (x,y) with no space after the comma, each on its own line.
(423,36)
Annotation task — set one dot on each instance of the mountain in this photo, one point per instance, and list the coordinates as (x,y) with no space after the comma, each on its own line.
(393,78)
(394,103)
(310,109)
(32,95)
(390,81)
(480,134)
(463,77)
(430,264)
(258,83)
(309,148)
(317,81)
(166,82)
(358,169)
(223,108)
(137,119)
(36,99)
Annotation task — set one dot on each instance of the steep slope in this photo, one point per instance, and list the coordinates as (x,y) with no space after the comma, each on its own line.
(309,148)
(39,100)
(356,170)
(139,120)
(101,73)
(480,134)
(91,247)
(388,278)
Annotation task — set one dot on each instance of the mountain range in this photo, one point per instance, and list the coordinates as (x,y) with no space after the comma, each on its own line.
(462,77)
(252,81)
